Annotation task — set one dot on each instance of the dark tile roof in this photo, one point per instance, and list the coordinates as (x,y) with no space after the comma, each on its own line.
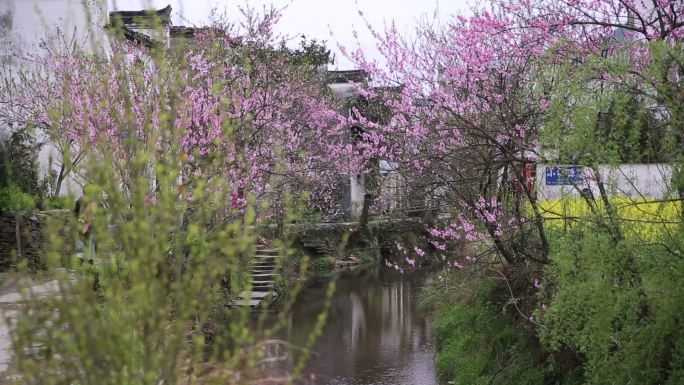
(357,76)
(140,17)
(183,31)
(139,38)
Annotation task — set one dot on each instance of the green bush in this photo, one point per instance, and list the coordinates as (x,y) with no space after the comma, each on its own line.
(304,212)
(367,258)
(150,306)
(18,154)
(478,340)
(323,264)
(55,203)
(12,199)
(478,345)
(149,303)
(618,302)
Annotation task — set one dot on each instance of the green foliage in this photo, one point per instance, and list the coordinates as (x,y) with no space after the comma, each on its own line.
(305,212)
(477,343)
(667,61)
(626,124)
(366,257)
(612,292)
(150,305)
(309,53)
(149,302)
(137,315)
(619,304)
(59,202)
(13,199)
(20,186)
(324,264)
(18,168)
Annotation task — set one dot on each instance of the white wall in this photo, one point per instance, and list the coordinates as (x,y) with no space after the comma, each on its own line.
(34,21)
(357,182)
(357,195)
(25,24)
(631,180)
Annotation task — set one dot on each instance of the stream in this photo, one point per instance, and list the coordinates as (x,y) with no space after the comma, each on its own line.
(374,334)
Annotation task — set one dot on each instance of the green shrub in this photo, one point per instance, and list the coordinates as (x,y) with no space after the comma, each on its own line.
(12,199)
(55,203)
(619,303)
(18,154)
(477,342)
(477,345)
(367,258)
(149,303)
(302,211)
(323,264)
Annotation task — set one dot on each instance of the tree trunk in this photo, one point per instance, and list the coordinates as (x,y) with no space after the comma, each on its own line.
(60,179)
(17,234)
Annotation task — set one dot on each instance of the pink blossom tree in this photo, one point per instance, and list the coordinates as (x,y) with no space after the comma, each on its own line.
(241,107)
(476,99)
(465,124)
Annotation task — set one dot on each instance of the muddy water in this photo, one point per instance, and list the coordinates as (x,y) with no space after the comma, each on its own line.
(373,335)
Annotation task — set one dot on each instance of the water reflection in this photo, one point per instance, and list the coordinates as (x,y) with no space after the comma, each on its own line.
(374,335)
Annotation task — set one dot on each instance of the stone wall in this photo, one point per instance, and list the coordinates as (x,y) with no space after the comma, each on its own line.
(22,236)
(330,239)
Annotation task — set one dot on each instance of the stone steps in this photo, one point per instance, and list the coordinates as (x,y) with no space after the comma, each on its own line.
(263,285)
(263,275)
(262,264)
(262,269)
(267,251)
(246,302)
(265,257)
(255,294)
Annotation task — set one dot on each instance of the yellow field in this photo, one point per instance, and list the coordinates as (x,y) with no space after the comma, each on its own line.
(644,219)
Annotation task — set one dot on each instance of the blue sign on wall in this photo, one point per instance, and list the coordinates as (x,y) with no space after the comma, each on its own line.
(563,175)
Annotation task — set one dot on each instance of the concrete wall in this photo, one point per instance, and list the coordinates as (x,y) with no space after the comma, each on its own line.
(631,180)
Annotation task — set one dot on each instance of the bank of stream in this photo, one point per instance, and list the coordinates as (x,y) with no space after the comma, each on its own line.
(374,333)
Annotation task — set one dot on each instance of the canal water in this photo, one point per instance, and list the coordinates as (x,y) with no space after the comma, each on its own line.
(373,335)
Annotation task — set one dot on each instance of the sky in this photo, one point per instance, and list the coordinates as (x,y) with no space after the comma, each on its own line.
(316,18)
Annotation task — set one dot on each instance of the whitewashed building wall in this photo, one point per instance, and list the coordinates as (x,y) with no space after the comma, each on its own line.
(26,24)
(357,182)
(630,180)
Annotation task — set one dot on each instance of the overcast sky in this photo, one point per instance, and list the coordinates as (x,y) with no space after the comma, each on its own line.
(315,18)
